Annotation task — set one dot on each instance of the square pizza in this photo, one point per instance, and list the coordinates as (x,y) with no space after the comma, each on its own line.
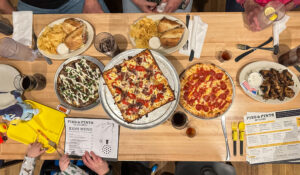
(138,86)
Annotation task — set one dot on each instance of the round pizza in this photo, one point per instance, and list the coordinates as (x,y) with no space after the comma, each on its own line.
(77,83)
(206,90)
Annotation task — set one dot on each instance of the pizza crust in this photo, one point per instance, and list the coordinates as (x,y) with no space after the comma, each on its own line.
(205,88)
(130,84)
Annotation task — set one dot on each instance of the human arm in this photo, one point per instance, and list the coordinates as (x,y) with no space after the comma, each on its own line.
(172,5)
(145,5)
(67,168)
(92,6)
(95,163)
(6,7)
(34,150)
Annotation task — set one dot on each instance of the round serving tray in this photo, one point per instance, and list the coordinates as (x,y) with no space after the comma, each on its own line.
(93,60)
(90,31)
(163,50)
(260,65)
(155,117)
(233,91)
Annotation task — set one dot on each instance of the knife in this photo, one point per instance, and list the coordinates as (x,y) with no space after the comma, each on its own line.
(238,58)
(186,45)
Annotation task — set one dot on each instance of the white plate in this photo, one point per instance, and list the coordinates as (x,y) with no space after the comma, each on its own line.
(7,77)
(162,50)
(155,117)
(261,65)
(90,32)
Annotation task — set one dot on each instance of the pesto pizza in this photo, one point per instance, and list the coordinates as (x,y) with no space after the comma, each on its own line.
(77,83)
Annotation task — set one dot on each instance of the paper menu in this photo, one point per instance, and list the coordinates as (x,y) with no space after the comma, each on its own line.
(98,135)
(273,136)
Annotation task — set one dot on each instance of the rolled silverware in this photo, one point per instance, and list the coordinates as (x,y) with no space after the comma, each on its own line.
(186,45)
(223,122)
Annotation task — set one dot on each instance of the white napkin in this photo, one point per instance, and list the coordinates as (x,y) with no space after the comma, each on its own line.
(22,22)
(278,27)
(196,38)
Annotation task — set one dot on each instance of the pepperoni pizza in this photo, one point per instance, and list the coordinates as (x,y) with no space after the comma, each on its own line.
(138,86)
(206,90)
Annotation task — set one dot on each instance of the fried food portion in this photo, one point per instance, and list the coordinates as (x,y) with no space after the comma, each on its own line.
(76,39)
(72,32)
(142,31)
(276,84)
(165,24)
(71,24)
(51,38)
(171,37)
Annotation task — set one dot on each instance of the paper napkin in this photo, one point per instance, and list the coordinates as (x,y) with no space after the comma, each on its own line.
(196,37)
(278,27)
(22,22)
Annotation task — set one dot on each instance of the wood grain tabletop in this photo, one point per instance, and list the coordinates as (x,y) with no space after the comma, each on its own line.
(164,143)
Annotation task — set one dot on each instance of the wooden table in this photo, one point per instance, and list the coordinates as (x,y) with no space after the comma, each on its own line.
(163,142)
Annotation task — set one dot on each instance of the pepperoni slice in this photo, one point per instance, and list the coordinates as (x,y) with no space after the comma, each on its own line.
(212,97)
(222,105)
(205,108)
(160,86)
(215,89)
(226,92)
(223,96)
(223,85)
(191,102)
(212,72)
(206,98)
(199,107)
(216,104)
(219,76)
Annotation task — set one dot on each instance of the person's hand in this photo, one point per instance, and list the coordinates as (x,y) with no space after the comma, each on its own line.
(95,163)
(92,6)
(64,162)
(145,6)
(172,5)
(35,149)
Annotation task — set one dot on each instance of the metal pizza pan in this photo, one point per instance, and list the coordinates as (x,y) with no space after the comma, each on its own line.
(233,92)
(89,58)
(155,117)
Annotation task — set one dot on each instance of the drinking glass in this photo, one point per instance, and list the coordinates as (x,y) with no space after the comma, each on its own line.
(106,44)
(28,83)
(10,48)
(179,120)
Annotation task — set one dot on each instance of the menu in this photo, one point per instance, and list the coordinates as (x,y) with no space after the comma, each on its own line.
(98,135)
(273,136)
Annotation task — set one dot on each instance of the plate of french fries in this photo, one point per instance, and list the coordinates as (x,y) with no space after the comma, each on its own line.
(162,33)
(65,38)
